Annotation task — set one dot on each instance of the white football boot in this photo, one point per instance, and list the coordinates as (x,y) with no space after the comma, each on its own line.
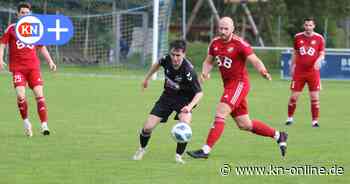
(178,159)
(27,128)
(45,129)
(139,154)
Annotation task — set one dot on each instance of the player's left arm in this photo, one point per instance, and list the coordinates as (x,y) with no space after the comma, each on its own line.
(259,66)
(195,100)
(319,59)
(196,87)
(321,55)
(43,50)
(2,63)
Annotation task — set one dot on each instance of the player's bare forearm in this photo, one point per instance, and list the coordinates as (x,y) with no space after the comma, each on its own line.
(196,99)
(206,68)
(2,48)
(317,65)
(46,54)
(155,67)
(207,65)
(259,66)
(292,66)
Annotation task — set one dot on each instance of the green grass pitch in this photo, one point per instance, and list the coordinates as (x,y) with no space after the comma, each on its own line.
(95,122)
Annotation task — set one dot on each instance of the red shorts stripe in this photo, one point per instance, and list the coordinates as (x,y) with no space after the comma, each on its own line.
(235,97)
(237,93)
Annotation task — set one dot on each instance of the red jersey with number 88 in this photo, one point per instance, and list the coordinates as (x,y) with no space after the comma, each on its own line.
(231,58)
(307,49)
(22,56)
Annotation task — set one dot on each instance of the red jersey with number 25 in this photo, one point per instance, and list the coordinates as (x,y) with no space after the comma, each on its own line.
(231,58)
(307,49)
(22,56)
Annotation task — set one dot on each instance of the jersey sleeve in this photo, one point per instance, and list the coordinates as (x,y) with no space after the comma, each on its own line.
(162,61)
(5,37)
(211,49)
(192,78)
(245,49)
(295,41)
(322,45)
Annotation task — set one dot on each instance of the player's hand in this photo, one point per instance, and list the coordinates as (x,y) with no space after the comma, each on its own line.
(203,77)
(266,75)
(317,65)
(144,84)
(52,66)
(186,109)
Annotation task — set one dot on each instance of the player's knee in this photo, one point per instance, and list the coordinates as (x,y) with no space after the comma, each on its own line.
(40,99)
(244,125)
(21,98)
(294,97)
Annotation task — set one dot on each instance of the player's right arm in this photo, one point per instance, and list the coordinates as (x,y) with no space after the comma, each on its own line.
(2,48)
(292,65)
(207,66)
(154,68)
(4,40)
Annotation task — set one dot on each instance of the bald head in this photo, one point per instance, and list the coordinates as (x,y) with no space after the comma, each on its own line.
(227,21)
(226,27)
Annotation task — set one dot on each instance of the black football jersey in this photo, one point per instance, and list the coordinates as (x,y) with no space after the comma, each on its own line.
(181,82)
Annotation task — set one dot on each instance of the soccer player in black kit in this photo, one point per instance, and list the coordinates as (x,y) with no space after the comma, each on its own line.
(181,93)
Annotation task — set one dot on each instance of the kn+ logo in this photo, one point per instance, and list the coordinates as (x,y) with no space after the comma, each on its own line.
(39,29)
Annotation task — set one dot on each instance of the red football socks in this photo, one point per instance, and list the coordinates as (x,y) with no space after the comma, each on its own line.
(292,104)
(216,131)
(315,109)
(262,129)
(23,107)
(41,107)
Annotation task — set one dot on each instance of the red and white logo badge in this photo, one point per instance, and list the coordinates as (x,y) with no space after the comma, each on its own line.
(29,29)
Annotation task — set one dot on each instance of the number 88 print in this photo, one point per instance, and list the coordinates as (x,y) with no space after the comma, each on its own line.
(227,62)
(309,51)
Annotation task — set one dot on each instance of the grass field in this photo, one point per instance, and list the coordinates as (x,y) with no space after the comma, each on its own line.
(95,122)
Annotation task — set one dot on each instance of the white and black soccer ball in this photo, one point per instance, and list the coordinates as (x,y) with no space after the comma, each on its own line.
(181,132)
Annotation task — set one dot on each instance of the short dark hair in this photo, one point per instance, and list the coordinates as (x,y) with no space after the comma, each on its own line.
(178,44)
(23,5)
(309,19)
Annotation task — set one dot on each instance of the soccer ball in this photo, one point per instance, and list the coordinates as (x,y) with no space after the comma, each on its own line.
(181,132)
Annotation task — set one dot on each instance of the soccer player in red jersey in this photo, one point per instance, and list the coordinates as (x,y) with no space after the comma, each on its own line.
(25,67)
(231,54)
(309,51)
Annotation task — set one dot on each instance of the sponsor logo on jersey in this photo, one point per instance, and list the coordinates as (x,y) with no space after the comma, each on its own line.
(189,77)
(178,78)
(230,49)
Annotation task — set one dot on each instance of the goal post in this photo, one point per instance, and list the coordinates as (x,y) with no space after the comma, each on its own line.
(155,34)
